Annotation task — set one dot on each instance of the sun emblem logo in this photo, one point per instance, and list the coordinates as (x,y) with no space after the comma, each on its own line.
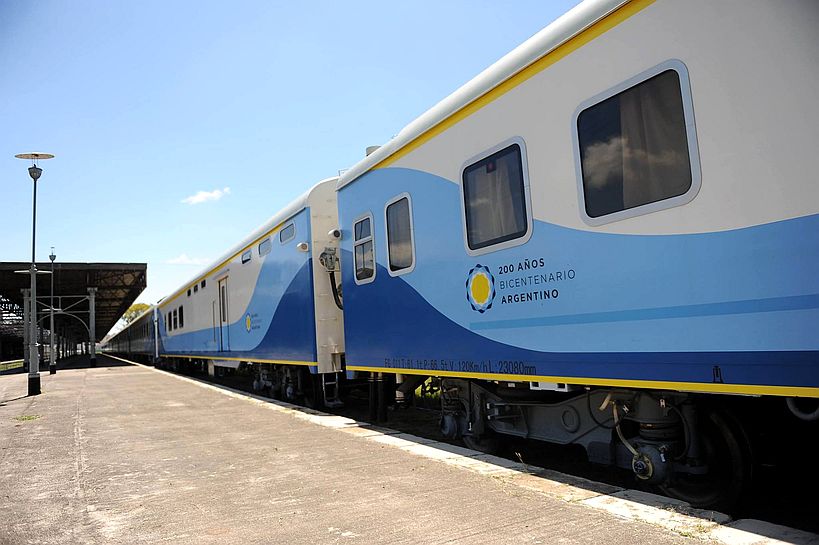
(247,323)
(480,288)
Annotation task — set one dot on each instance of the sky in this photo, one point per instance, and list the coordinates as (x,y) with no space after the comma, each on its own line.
(179,127)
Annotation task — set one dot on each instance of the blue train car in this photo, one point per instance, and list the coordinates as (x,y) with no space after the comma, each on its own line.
(138,339)
(270,302)
(598,228)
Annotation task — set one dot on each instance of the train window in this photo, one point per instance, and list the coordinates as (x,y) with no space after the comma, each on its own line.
(246,256)
(175,318)
(189,292)
(363,229)
(287,233)
(203,284)
(363,250)
(182,316)
(495,197)
(265,247)
(195,288)
(400,247)
(636,147)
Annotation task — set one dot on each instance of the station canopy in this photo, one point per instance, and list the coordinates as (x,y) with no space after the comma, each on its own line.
(118,285)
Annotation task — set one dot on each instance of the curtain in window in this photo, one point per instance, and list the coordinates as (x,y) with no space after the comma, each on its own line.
(655,163)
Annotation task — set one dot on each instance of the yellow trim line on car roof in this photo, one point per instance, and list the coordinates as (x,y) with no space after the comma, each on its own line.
(222,264)
(576,42)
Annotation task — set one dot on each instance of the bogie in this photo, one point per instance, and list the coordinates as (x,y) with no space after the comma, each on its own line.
(673,442)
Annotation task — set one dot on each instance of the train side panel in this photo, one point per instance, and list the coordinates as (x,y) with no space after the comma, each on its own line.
(135,339)
(257,305)
(711,288)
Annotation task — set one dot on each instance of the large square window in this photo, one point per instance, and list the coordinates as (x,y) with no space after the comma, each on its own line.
(494,191)
(634,149)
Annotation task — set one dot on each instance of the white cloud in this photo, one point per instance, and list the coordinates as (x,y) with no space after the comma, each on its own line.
(183,259)
(205,196)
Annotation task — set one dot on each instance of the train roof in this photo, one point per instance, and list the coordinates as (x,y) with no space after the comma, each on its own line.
(142,314)
(564,28)
(257,234)
(130,324)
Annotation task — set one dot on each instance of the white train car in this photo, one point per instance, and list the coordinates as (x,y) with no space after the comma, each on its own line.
(622,214)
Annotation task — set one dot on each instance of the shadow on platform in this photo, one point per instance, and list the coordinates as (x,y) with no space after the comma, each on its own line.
(84,362)
(73,362)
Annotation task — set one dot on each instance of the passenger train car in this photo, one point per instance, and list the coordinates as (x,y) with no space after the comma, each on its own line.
(268,300)
(607,238)
(139,338)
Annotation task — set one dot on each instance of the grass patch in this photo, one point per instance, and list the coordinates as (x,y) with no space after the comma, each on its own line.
(430,388)
(27,417)
(428,394)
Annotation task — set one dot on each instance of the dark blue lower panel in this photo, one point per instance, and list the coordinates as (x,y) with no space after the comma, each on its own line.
(389,325)
(292,332)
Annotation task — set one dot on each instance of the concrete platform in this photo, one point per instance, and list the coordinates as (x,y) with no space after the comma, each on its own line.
(128,454)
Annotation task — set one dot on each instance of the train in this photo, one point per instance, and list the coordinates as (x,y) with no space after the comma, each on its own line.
(608,238)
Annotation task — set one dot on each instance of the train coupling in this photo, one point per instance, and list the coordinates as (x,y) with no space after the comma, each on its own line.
(329,259)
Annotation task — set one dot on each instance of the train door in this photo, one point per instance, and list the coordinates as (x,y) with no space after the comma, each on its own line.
(224,333)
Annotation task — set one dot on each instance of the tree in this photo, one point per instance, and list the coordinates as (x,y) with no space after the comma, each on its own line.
(133,311)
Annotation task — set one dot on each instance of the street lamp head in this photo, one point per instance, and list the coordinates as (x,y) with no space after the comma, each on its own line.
(34,171)
(35,156)
(52,256)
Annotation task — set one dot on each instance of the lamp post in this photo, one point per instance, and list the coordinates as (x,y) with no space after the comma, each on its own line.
(52,362)
(34,357)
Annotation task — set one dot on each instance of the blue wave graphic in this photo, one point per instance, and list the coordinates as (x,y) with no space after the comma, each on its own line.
(750,289)
(739,306)
(290,335)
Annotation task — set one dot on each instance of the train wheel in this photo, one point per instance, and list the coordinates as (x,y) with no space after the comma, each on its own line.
(311,389)
(275,391)
(727,453)
(277,386)
(488,442)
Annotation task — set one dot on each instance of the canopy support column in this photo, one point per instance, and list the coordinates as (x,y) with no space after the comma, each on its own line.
(92,295)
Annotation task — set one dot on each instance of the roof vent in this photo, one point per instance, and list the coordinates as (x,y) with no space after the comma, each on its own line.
(371,149)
